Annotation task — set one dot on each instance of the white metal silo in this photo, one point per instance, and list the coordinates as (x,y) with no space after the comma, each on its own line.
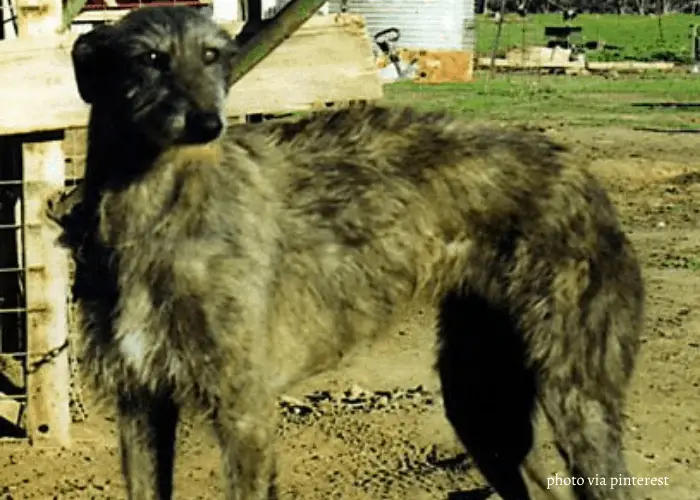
(441,25)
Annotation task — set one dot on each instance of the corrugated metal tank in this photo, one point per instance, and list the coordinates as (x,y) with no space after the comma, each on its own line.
(424,24)
(274,6)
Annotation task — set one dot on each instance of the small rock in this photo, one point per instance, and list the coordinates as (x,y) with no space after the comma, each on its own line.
(355,392)
(318,396)
(295,406)
(383,394)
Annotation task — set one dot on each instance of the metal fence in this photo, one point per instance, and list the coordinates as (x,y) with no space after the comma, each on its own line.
(13,341)
(14,355)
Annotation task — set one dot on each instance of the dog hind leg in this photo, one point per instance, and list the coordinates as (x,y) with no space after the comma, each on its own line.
(582,392)
(489,394)
(587,430)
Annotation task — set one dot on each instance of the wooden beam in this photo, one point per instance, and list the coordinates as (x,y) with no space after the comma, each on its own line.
(72,9)
(272,33)
(113,14)
(100,16)
(516,64)
(329,59)
(46,290)
(578,65)
(632,66)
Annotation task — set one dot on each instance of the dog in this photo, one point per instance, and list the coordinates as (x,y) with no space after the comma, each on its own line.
(217,265)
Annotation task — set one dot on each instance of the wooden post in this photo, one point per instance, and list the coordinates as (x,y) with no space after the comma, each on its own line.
(695,47)
(38,17)
(72,9)
(48,375)
(497,39)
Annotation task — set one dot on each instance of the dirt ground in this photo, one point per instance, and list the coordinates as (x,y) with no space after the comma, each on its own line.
(374,428)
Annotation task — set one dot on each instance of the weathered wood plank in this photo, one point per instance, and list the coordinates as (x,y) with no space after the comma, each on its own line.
(328,59)
(590,65)
(630,66)
(516,64)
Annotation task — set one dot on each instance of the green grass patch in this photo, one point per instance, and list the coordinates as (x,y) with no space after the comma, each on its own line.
(639,37)
(680,262)
(560,100)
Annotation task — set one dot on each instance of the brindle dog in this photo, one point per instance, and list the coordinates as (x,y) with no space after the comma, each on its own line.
(217,265)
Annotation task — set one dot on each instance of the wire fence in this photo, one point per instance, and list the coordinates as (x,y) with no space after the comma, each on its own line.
(13,341)
(14,355)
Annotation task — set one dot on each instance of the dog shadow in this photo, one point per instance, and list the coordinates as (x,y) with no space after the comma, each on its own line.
(461,461)
(476,494)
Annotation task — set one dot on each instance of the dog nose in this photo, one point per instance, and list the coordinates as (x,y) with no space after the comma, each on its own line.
(203,126)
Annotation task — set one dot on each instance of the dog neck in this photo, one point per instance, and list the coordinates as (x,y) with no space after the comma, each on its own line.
(117,154)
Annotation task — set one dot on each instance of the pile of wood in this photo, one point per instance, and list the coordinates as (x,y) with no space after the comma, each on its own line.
(556,58)
(430,66)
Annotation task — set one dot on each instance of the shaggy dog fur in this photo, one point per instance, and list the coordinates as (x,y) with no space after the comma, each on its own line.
(218,267)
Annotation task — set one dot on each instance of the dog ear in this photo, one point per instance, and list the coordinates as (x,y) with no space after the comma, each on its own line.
(90,63)
(233,48)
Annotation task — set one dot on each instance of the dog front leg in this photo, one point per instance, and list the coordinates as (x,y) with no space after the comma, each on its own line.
(246,437)
(147,428)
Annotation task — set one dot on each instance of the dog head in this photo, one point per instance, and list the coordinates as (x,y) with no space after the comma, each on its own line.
(164,72)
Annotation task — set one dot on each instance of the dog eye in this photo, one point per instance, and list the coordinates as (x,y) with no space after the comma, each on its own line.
(156,59)
(211,55)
